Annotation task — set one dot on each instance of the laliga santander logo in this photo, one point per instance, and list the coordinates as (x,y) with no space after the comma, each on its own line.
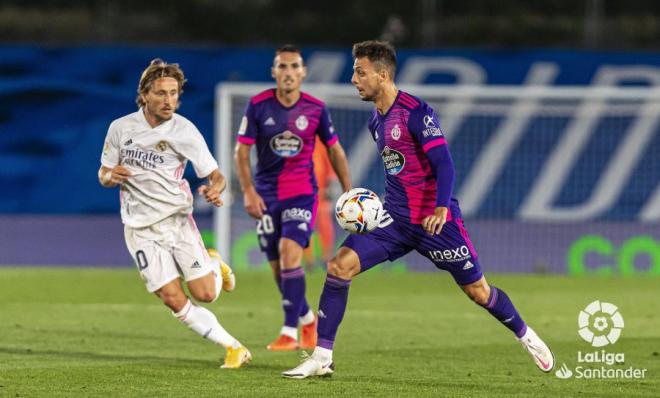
(600,324)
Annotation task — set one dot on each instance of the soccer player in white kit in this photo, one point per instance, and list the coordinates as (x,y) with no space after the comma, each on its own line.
(146,153)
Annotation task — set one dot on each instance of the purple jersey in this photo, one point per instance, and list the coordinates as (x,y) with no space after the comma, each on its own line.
(405,134)
(285,139)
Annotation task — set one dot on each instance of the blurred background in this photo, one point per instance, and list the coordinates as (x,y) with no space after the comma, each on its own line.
(551,109)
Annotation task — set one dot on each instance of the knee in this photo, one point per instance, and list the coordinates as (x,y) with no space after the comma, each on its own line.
(174,300)
(207,295)
(342,269)
(479,294)
(291,254)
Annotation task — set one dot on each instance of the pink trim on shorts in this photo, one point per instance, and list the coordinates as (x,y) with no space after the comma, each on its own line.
(464,234)
(315,207)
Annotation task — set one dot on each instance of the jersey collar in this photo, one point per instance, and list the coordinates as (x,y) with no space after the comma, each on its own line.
(161,127)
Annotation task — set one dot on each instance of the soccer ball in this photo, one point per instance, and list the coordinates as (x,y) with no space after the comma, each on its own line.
(358,211)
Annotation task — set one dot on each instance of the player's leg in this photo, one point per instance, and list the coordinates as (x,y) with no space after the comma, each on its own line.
(305,311)
(325,228)
(453,251)
(296,228)
(498,304)
(204,279)
(357,254)
(296,223)
(341,269)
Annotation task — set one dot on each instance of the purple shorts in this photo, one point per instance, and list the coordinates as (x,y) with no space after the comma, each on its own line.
(291,218)
(451,250)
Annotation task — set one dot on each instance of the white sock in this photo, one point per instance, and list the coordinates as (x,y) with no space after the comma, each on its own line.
(307,318)
(204,323)
(322,354)
(289,331)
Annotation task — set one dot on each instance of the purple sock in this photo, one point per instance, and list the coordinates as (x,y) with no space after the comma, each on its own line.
(305,307)
(293,294)
(331,309)
(500,306)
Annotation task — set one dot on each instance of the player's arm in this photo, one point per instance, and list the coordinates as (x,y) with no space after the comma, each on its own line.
(111,177)
(253,202)
(336,154)
(424,125)
(339,163)
(216,185)
(442,167)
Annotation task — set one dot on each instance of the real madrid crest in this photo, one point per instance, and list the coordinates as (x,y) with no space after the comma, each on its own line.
(302,123)
(396,132)
(161,146)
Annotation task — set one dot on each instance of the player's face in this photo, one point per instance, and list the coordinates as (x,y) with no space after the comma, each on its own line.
(288,71)
(367,79)
(162,99)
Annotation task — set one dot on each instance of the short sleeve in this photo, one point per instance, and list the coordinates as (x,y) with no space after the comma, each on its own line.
(326,130)
(194,148)
(247,131)
(110,154)
(425,126)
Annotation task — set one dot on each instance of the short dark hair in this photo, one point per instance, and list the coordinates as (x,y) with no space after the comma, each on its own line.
(380,53)
(288,48)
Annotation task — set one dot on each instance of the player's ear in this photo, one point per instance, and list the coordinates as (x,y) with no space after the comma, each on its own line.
(304,72)
(383,75)
(272,72)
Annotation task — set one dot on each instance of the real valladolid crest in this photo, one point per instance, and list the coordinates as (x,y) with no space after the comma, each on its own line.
(600,324)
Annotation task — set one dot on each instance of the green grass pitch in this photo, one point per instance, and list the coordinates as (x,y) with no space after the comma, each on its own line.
(96,332)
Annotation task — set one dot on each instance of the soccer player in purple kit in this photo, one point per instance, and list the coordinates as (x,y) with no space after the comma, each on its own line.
(420,212)
(283,124)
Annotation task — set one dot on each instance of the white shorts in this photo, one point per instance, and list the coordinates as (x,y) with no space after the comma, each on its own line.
(167,250)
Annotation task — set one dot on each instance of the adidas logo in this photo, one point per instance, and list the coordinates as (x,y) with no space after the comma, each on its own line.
(269,122)
(321,314)
(564,372)
(467,266)
(302,227)
(196,265)
(286,303)
(129,142)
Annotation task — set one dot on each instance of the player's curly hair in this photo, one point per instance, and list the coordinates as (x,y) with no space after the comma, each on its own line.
(157,69)
(380,53)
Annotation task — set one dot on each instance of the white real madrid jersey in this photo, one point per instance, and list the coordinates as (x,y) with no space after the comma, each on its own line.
(156,158)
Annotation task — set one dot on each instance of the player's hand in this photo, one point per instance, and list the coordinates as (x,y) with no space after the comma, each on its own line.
(211,194)
(433,224)
(254,204)
(119,174)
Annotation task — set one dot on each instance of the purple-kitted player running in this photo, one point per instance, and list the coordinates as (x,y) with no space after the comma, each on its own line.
(420,212)
(283,124)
